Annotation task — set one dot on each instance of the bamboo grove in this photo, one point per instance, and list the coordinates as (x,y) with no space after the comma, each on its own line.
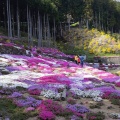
(41,19)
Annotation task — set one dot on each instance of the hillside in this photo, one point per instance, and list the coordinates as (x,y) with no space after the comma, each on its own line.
(93,41)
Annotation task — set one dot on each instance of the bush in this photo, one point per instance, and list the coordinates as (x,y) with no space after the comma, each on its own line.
(115,101)
(46,115)
(95,116)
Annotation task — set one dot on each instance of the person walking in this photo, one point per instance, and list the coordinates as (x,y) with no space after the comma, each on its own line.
(77,59)
(81,60)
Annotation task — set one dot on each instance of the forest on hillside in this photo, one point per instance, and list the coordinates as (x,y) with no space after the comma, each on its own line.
(44,19)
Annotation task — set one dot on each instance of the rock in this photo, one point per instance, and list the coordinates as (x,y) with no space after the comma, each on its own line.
(3,64)
(5,72)
(63,95)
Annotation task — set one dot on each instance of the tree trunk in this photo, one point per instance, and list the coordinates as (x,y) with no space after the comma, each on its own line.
(39,30)
(31,41)
(87,24)
(41,37)
(79,24)
(28,26)
(61,32)
(96,21)
(8,18)
(99,21)
(13,23)
(18,21)
(44,28)
(4,14)
(48,31)
(54,35)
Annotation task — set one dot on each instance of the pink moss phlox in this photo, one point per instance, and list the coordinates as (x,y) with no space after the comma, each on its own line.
(52,106)
(29,109)
(42,107)
(34,92)
(106,95)
(55,79)
(117,84)
(78,114)
(46,115)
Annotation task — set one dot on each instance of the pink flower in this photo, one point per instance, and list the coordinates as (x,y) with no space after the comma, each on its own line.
(29,109)
(34,92)
(92,118)
(46,115)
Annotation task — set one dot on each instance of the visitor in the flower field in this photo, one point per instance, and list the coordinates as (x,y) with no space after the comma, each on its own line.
(81,60)
(84,57)
(76,58)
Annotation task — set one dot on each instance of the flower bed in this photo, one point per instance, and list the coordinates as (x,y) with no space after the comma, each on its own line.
(50,78)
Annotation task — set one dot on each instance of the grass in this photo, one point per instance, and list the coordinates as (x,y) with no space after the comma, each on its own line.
(115,101)
(9,109)
(97,116)
(97,105)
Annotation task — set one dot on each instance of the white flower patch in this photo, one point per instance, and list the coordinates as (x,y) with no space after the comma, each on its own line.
(10,57)
(4,60)
(88,76)
(77,92)
(76,78)
(95,93)
(89,93)
(50,94)
(99,84)
(11,79)
(97,99)
(77,84)
(57,86)
(115,115)
(44,65)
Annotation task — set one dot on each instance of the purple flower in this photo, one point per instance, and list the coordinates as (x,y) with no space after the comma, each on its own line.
(16,95)
(77,108)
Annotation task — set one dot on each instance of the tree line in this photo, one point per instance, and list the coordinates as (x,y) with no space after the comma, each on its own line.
(37,18)
(101,14)
(42,19)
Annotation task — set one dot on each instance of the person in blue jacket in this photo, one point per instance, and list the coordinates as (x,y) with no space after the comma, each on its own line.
(81,60)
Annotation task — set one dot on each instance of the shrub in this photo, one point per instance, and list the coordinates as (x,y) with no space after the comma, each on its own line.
(46,115)
(98,105)
(71,101)
(95,116)
(115,101)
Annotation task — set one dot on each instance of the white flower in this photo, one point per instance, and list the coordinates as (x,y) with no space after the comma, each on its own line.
(115,115)
(97,99)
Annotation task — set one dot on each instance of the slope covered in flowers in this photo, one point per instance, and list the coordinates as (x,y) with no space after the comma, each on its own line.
(49,81)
